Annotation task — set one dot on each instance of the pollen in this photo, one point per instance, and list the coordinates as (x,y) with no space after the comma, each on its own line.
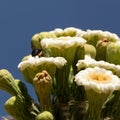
(99,77)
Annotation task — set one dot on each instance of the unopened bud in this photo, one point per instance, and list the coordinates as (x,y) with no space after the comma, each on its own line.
(101,47)
(7,83)
(113,53)
(43,84)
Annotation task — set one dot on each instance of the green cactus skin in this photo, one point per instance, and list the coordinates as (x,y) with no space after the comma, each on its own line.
(113,53)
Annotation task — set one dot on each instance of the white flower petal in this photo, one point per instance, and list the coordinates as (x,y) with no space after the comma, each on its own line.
(90,62)
(104,34)
(60,62)
(98,79)
(62,42)
(36,61)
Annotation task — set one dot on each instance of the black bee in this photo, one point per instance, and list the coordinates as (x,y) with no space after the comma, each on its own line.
(36,52)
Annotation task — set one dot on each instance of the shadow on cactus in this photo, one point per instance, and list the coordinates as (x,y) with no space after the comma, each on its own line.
(75,75)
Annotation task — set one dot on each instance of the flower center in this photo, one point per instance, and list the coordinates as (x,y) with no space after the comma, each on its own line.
(99,77)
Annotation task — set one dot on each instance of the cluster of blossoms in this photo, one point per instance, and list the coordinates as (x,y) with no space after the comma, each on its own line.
(75,75)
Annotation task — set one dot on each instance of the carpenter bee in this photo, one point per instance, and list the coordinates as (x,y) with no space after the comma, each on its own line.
(36,52)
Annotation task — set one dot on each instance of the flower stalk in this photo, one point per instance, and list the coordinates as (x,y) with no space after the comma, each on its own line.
(96,102)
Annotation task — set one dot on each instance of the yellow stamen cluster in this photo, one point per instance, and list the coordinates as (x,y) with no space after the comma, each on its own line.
(99,77)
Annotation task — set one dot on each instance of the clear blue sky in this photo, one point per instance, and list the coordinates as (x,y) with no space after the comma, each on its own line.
(20,20)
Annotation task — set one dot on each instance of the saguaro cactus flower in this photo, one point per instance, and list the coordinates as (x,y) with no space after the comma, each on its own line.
(32,65)
(99,84)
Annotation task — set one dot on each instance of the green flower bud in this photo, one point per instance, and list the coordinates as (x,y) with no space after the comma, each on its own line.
(7,83)
(35,42)
(17,108)
(113,53)
(43,83)
(89,50)
(101,47)
(45,116)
